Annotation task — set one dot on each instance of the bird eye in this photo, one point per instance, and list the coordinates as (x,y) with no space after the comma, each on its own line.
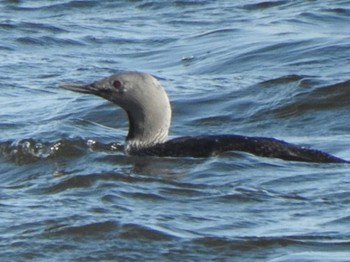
(117,84)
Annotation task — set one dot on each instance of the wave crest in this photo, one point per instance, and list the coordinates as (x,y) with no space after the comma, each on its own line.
(26,151)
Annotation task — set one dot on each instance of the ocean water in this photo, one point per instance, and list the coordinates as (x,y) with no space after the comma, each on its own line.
(268,68)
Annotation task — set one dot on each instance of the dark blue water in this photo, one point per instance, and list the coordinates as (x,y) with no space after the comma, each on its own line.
(268,68)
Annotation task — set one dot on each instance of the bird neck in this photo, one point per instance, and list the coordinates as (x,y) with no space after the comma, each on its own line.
(147,128)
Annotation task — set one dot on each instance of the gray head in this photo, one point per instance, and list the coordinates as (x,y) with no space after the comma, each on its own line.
(144,100)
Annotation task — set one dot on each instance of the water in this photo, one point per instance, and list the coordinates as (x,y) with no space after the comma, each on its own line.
(267,68)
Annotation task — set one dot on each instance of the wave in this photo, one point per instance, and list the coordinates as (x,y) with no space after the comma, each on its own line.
(244,246)
(83,230)
(123,231)
(264,5)
(320,256)
(290,97)
(52,7)
(318,99)
(27,151)
(47,41)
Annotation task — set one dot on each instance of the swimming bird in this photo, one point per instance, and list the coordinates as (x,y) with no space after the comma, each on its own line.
(149,113)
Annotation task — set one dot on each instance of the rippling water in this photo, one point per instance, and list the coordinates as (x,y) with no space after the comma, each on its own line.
(268,68)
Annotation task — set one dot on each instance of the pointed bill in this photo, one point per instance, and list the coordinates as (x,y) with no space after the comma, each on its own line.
(81,88)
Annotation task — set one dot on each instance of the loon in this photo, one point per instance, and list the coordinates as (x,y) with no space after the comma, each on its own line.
(149,113)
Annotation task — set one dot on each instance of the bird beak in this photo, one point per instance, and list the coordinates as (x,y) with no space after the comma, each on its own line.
(80,88)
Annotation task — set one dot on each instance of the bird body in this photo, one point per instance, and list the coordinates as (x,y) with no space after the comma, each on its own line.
(149,113)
